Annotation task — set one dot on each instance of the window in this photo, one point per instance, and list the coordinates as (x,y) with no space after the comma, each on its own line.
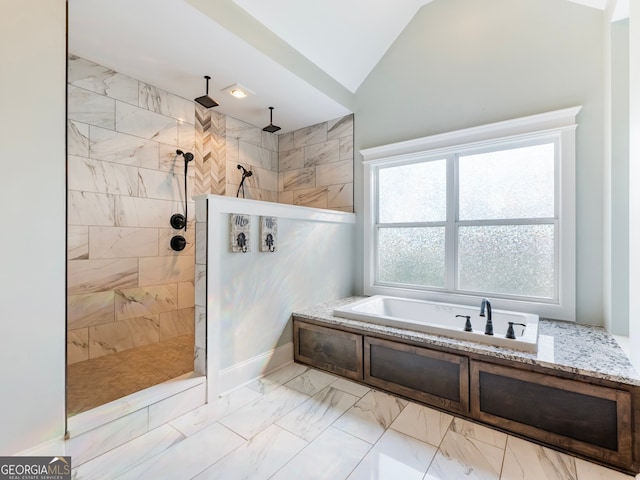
(487,211)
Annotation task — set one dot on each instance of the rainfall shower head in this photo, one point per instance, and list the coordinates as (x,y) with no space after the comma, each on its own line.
(188,156)
(206,101)
(271,128)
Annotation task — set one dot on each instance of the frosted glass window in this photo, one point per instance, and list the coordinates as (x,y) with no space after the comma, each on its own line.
(413,193)
(412,256)
(487,211)
(507,259)
(513,183)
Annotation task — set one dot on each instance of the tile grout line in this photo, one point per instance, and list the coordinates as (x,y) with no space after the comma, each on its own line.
(224,456)
(504,457)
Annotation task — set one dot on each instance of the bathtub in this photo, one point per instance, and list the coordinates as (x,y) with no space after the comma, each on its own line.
(440,319)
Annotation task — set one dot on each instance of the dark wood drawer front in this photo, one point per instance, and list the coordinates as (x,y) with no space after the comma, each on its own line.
(332,350)
(432,377)
(583,417)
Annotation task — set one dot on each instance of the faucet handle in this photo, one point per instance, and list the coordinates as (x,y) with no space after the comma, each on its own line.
(510,332)
(467,324)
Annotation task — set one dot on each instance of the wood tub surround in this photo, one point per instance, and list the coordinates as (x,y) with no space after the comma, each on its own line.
(588,419)
(329,349)
(588,416)
(391,366)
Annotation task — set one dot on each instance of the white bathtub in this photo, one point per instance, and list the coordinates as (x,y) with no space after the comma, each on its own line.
(440,319)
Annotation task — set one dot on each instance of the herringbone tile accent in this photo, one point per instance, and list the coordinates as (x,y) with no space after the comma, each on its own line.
(211,165)
(218,153)
(203,151)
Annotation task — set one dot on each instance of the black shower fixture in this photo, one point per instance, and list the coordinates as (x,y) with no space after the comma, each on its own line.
(206,101)
(179,221)
(271,128)
(178,243)
(245,173)
(188,156)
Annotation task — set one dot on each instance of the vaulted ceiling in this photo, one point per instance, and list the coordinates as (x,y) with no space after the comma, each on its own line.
(304,58)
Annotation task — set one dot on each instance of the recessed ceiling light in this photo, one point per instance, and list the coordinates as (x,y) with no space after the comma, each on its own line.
(238,91)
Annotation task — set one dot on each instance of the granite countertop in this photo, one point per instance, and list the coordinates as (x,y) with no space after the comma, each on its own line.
(564,346)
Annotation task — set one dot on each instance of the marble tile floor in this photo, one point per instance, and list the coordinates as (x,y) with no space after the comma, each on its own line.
(101,380)
(304,424)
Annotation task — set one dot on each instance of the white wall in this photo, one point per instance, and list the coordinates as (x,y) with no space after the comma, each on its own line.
(250,296)
(634,181)
(462,63)
(620,178)
(32,186)
(607,310)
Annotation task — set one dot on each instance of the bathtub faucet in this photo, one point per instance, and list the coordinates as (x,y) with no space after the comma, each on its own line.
(488,328)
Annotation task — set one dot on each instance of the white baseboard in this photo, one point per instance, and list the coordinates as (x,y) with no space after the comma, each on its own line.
(254,368)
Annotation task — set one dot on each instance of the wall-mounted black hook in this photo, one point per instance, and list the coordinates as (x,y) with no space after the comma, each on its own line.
(242,242)
(269,242)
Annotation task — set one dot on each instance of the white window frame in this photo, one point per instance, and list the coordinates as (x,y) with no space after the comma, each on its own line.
(560,126)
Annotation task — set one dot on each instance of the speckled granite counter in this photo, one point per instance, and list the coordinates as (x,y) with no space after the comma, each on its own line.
(565,346)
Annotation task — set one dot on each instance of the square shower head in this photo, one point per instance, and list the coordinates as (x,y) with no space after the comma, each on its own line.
(271,128)
(206,101)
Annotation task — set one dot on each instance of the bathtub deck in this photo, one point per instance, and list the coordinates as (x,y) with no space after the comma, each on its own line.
(563,346)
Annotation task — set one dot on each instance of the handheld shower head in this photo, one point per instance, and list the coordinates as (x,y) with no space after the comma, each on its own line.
(178,220)
(188,156)
(245,172)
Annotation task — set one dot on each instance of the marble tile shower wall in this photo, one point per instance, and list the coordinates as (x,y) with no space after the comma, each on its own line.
(256,150)
(316,165)
(125,287)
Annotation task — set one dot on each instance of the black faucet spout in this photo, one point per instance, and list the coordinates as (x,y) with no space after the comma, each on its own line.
(486,305)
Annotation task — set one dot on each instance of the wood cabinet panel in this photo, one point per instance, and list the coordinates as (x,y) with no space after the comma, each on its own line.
(584,418)
(433,377)
(333,350)
(564,411)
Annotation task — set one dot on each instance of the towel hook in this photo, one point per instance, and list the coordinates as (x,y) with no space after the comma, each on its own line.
(242,242)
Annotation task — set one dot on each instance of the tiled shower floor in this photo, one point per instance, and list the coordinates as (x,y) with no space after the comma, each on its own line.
(304,424)
(101,380)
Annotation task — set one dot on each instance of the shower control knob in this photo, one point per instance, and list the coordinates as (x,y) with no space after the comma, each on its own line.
(177,221)
(178,243)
